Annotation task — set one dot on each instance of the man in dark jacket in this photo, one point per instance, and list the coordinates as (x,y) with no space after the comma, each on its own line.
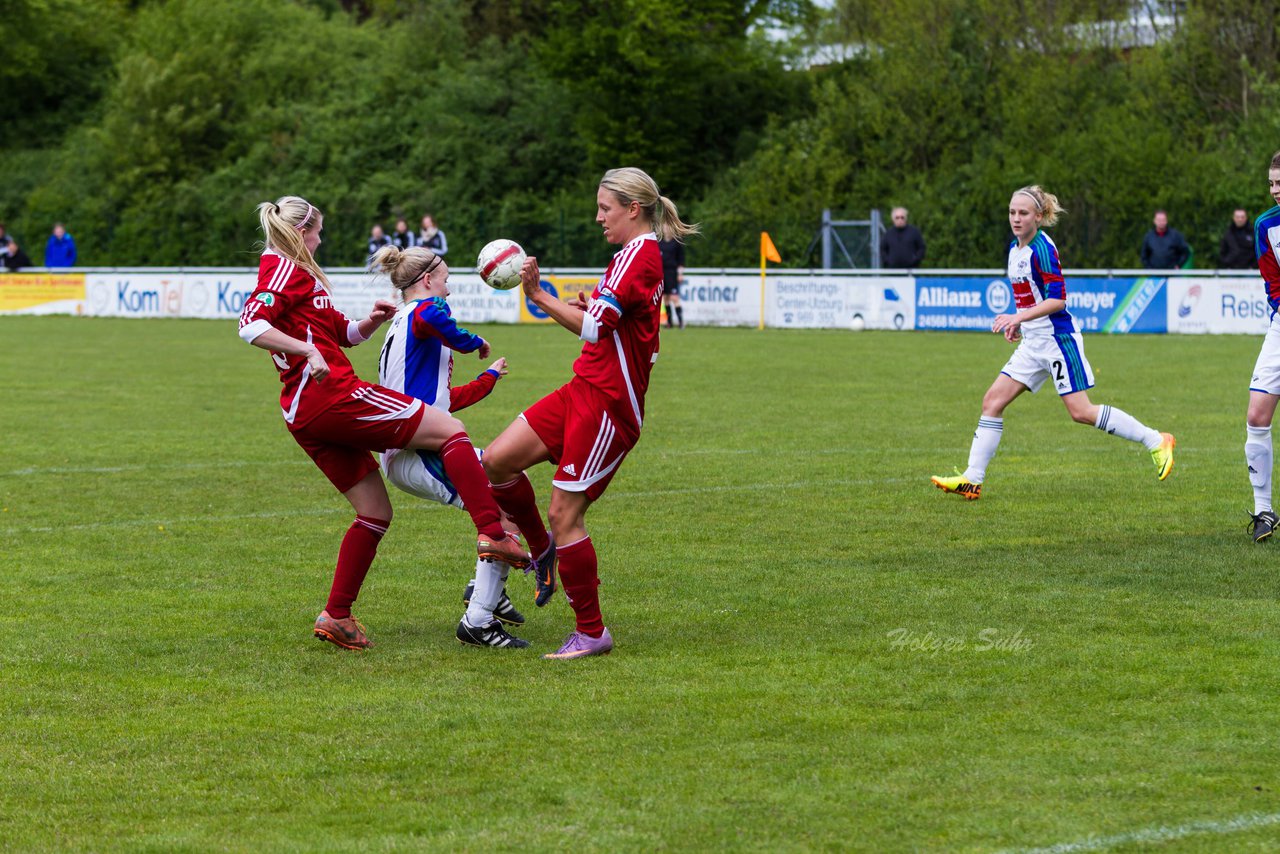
(14,258)
(1164,248)
(902,246)
(1236,251)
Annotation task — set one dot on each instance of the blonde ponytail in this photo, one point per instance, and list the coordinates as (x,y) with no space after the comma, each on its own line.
(634,185)
(283,223)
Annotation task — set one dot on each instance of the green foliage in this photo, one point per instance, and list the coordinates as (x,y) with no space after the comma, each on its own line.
(154,128)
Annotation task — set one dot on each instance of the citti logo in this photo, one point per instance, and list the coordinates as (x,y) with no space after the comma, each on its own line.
(1189,301)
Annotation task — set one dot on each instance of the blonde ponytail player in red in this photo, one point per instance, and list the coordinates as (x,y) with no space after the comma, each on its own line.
(588,426)
(337,418)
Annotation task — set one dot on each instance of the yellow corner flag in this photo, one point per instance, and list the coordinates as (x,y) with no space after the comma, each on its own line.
(768,252)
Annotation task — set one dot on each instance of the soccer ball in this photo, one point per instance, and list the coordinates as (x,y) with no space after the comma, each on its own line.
(499,264)
(857,323)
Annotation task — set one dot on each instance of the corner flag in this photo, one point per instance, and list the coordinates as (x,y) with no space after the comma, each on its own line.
(768,252)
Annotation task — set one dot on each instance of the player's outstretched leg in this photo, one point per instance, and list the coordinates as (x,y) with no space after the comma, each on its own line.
(1116,422)
(464,470)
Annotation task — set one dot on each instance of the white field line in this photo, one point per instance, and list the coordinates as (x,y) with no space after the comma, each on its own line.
(1163,833)
(410,504)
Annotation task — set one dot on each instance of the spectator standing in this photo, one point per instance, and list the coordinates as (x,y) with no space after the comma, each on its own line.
(1236,251)
(672,251)
(377,240)
(13,257)
(402,238)
(1164,248)
(60,251)
(432,237)
(902,246)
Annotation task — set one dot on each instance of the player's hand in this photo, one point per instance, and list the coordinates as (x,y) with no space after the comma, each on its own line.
(580,301)
(1004,322)
(531,278)
(483,350)
(500,366)
(319,367)
(383,310)
(1013,334)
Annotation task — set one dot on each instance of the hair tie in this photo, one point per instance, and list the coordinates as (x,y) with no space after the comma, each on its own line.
(1026,191)
(302,226)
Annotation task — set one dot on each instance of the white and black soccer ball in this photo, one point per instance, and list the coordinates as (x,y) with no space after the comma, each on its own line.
(857,323)
(499,264)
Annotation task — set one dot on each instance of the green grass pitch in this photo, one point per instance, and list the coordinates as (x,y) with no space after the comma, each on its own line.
(816,648)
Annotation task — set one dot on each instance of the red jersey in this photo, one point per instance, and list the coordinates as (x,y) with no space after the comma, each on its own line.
(290,299)
(621,326)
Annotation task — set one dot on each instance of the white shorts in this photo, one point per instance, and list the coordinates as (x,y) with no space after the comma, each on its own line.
(1059,358)
(1266,371)
(421,473)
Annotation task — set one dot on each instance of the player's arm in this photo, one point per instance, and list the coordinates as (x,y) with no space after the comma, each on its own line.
(431,319)
(568,316)
(479,388)
(266,305)
(360,331)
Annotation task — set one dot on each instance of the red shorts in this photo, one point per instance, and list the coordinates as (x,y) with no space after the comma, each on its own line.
(587,434)
(371,418)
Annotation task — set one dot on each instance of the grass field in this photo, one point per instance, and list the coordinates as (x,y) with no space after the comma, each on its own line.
(816,648)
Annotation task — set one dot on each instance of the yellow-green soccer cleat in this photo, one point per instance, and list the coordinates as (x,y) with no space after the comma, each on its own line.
(1163,455)
(966,490)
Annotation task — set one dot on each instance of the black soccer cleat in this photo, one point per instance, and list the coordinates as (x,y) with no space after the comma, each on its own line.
(504,610)
(493,635)
(544,575)
(1263,525)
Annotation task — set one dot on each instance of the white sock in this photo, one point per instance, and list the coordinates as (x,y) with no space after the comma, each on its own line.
(1257,453)
(490,577)
(1117,422)
(985,441)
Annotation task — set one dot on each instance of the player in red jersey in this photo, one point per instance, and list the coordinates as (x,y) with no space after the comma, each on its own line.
(587,426)
(338,419)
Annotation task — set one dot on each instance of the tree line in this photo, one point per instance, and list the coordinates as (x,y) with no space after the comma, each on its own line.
(154,128)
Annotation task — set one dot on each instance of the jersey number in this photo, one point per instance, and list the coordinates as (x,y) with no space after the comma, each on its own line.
(1057,370)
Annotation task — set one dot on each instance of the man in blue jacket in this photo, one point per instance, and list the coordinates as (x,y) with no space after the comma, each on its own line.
(60,251)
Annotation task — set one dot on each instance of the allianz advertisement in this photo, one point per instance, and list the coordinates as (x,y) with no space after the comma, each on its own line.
(1098,304)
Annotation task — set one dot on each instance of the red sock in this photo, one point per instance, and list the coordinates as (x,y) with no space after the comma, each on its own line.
(517,499)
(578,575)
(464,469)
(357,551)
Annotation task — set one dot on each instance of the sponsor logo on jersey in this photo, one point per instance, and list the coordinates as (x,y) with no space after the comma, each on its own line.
(265,298)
